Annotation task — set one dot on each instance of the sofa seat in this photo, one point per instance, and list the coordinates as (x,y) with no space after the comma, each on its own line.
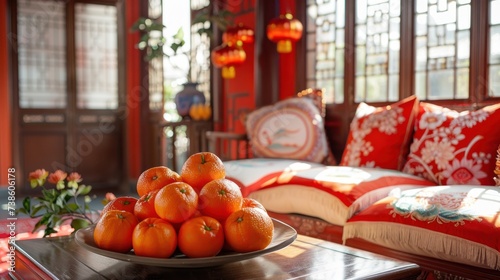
(332,193)
(454,223)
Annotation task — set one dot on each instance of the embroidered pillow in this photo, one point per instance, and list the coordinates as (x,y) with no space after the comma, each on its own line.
(452,148)
(379,137)
(292,129)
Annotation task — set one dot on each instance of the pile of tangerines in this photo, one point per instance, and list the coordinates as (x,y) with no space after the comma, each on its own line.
(197,211)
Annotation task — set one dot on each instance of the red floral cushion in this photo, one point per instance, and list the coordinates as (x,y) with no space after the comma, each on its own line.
(379,137)
(452,148)
(455,223)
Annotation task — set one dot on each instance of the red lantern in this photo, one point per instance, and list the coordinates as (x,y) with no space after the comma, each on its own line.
(237,33)
(284,30)
(227,56)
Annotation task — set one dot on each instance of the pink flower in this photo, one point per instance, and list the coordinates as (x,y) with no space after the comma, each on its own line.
(37,177)
(38,174)
(109,197)
(57,176)
(74,177)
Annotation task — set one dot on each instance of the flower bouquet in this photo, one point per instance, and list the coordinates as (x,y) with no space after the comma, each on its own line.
(60,204)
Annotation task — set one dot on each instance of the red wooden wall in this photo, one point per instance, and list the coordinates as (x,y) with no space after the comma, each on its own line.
(5,113)
(134,90)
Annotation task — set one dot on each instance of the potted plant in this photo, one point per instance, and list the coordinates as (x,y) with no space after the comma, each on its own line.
(156,45)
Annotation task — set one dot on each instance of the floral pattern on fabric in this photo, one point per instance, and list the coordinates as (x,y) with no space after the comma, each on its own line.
(385,122)
(431,206)
(452,148)
(379,137)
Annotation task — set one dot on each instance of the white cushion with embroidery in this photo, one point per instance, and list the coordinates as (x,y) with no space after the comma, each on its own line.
(292,129)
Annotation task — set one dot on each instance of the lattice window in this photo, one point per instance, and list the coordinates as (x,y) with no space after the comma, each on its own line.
(442,47)
(377,50)
(326,48)
(155,72)
(494,58)
(96,56)
(42,54)
(200,53)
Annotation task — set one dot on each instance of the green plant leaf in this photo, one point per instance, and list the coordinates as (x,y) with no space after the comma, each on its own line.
(36,209)
(179,35)
(72,193)
(83,190)
(44,220)
(27,205)
(50,195)
(48,231)
(72,184)
(55,220)
(79,223)
(135,27)
(60,185)
(61,199)
(156,27)
(72,207)
(145,38)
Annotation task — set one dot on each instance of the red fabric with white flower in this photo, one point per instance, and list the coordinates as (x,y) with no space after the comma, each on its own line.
(452,148)
(379,137)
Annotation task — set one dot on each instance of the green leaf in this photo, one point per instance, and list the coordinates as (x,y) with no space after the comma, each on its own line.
(61,199)
(48,231)
(137,24)
(79,223)
(36,209)
(72,184)
(84,190)
(72,207)
(50,195)
(144,38)
(55,220)
(44,220)
(27,205)
(60,185)
(40,181)
(156,27)
(71,193)
(179,35)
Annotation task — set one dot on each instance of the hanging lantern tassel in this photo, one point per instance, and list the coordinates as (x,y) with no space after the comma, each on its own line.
(284,30)
(228,72)
(226,56)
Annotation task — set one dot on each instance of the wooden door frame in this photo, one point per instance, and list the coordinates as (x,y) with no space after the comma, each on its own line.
(71,112)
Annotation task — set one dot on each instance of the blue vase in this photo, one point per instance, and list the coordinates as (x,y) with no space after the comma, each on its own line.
(188,96)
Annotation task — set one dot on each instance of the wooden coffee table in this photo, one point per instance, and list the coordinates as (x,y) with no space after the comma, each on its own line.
(305,258)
